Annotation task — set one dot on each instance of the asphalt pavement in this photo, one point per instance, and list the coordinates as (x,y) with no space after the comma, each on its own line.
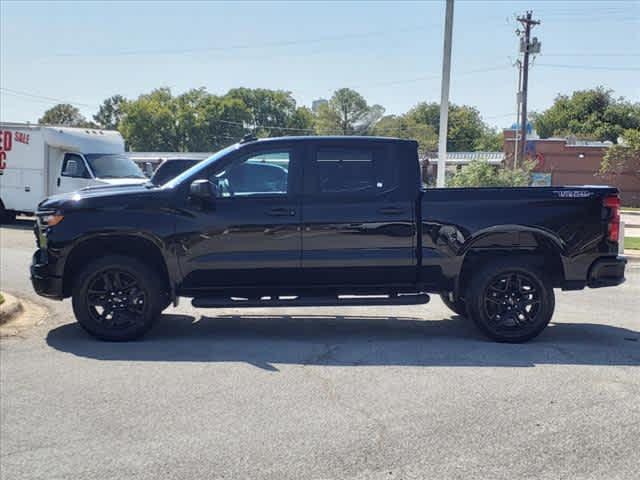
(317,393)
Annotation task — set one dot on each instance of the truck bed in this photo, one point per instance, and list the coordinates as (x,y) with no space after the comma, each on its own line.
(568,222)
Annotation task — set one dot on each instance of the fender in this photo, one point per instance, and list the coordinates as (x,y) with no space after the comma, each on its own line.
(499,236)
(496,231)
(169,261)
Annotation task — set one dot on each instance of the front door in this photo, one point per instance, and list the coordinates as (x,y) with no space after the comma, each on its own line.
(250,234)
(358,216)
(73,175)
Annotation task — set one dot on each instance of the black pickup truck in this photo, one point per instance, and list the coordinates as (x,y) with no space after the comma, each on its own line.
(323,221)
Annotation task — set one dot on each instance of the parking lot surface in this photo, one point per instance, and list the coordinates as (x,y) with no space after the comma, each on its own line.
(317,393)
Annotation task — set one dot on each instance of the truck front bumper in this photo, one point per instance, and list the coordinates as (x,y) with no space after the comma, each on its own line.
(607,272)
(44,283)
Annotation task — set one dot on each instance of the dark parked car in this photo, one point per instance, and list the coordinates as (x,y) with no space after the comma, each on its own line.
(171,168)
(323,221)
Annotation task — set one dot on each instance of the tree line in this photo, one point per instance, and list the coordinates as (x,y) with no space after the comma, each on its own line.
(200,121)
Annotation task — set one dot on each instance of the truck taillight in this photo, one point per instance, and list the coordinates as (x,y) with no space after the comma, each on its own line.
(612,202)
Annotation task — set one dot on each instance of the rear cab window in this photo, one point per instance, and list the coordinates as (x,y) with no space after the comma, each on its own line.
(352,171)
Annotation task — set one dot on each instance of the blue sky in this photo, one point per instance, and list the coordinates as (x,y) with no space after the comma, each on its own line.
(83,52)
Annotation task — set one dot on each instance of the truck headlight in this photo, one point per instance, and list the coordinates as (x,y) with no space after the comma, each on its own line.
(50,219)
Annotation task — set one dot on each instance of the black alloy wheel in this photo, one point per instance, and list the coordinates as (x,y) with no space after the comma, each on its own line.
(118,298)
(510,300)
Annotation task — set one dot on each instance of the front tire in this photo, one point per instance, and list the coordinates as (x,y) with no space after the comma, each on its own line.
(510,301)
(117,298)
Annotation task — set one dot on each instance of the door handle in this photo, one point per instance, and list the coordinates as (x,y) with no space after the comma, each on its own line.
(281,212)
(58,181)
(392,210)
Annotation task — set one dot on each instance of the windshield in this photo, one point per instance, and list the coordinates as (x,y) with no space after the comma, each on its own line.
(200,166)
(113,166)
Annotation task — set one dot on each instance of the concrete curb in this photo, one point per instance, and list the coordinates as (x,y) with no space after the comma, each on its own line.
(24,315)
(10,308)
(633,256)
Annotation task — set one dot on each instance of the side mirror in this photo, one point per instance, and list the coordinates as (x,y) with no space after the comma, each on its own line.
(203,190)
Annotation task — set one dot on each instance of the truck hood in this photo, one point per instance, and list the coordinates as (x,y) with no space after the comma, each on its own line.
(102,196)
(120,181)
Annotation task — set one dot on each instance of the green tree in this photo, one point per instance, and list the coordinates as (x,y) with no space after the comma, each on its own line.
(272,112)
(302,122)
(591,114)
(490,141)
(347,113)
(150,122)
(219,122)
(402,126)
(480,173)
(466,130)
(192,121)
(189,119)
(65,114)
(625,156)
(110,112)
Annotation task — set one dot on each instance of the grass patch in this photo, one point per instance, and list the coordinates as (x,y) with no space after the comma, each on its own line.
(632,242)
(1,299)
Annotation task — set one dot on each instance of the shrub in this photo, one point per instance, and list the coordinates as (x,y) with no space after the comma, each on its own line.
(480,173)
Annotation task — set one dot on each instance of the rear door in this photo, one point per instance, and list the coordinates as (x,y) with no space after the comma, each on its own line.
(357,216)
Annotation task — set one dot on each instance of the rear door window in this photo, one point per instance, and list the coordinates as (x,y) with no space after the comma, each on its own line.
(353,171)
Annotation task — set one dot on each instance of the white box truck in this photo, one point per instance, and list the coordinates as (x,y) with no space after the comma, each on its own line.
(38,161)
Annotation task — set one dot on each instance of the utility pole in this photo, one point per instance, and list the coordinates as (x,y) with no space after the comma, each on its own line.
(526,47)
(516,149)
(444,95)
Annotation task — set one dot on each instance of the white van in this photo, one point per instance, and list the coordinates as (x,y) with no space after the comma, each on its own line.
(39,161)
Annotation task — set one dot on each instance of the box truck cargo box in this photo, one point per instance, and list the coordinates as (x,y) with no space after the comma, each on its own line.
(38,161)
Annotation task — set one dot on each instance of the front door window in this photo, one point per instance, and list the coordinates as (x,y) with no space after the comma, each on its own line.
(257,175)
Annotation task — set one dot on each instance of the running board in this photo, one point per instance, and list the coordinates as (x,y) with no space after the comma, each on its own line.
(310,301)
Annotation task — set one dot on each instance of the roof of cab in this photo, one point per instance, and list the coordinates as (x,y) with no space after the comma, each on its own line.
(332,138)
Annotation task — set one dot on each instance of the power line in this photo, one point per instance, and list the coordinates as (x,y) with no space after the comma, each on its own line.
(429,77)
(47,99)
(590,55)
(264,127)
(42,97)
(590,67)
(500,116)
(281,43)
(379,84)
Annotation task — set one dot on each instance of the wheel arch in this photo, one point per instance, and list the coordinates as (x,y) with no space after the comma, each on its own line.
(535,246)
(143,247)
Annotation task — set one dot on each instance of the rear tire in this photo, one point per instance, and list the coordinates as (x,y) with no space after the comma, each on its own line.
(117,298)
(456,306)
(510,301)
(6,216)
